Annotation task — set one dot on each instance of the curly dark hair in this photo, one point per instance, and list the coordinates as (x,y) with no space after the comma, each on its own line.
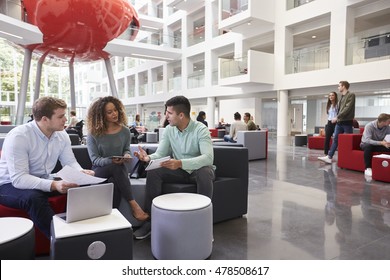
(96,121)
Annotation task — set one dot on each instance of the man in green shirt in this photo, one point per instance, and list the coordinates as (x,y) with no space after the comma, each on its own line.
(249,123)
(189,144)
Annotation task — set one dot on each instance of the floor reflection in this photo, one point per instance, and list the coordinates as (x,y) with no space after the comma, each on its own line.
(300,208)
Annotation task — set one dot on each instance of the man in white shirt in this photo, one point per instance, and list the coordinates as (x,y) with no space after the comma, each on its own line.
(237,125)
(373,140)
(30,152)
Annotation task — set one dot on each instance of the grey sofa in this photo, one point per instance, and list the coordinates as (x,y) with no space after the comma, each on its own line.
(256,141)
(230,198)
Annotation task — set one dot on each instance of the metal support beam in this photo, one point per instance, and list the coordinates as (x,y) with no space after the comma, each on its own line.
(23,87)
(72,86)
(111,79)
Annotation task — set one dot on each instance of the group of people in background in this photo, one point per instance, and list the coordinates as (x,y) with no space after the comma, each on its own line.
(341,119)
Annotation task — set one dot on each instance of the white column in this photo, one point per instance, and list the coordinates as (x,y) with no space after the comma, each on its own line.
(210,112)
(283,122)
(23,87)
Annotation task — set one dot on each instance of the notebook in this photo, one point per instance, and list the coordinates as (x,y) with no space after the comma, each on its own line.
(88,202)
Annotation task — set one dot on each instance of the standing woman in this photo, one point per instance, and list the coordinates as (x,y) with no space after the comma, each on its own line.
(109,136)
(331,110)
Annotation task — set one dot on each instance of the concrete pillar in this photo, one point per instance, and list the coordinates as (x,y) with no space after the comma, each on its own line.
(283,122)
(210,112)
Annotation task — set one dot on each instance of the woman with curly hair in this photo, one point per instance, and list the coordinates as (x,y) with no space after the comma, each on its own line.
(108,143)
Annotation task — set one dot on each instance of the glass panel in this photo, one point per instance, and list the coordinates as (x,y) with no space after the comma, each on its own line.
(233,67)
(307,59)
(367,49)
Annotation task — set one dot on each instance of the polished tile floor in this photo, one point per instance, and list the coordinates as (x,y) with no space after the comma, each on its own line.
(301,209)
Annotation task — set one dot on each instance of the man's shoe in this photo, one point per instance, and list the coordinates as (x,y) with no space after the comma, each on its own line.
(325,159)
(368,178)
(368,172)
(143,232)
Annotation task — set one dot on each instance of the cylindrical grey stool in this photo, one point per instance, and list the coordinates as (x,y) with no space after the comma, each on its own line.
(17,239)
(182,227)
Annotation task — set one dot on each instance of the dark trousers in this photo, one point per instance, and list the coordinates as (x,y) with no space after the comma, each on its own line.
(34,202)
(119,176)
(368,150)
(203,178)
(329,129)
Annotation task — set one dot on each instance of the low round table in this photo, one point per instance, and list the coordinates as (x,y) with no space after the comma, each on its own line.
(182,227)
(16,239)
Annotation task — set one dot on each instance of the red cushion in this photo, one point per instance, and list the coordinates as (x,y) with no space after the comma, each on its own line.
(317,142)
(42,244)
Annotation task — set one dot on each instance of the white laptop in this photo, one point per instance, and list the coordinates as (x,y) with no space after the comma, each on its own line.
(88,202)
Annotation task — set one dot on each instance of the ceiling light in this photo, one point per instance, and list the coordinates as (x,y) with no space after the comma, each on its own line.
(314,36)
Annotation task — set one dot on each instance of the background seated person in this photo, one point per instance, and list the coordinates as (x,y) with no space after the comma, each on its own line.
(373,140)
(189,144)
(202,118)
(249,123)
(73,119)
(237,125)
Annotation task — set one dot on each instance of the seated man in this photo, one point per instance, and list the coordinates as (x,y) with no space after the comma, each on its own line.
(30,153)
(249,123)
(237,125)
(189,144)
(373,140)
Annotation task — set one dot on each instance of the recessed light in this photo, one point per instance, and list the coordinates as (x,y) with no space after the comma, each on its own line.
(314,36)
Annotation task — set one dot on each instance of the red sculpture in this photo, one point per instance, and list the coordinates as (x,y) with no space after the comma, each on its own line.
(78,30)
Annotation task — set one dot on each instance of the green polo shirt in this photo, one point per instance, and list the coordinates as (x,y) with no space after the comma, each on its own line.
(193,146)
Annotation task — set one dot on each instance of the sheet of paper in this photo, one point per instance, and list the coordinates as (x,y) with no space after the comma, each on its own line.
(72,175)
(387,138)
(156,163)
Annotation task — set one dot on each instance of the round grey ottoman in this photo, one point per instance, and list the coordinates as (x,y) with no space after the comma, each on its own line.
(17,239)
(182,227)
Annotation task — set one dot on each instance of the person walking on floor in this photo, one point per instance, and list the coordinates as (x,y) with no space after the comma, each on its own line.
(331,110)
(344,119)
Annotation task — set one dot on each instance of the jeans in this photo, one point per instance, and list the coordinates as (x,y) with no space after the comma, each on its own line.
(34,202)
(228,138)
(203,178)
(339,129)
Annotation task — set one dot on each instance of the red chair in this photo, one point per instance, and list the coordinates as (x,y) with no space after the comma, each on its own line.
(42,243)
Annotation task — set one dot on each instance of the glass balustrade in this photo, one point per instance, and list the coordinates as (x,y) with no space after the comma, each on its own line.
(367,49)
(307,59)
(232,8)
(174,84)
(157,87)
(233,67)
(296,3)
(195,80)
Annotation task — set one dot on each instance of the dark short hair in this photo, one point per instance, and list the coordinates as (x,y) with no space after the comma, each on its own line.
(237,116)
(247,115)
(345,84)
(45,107)
(180,104)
